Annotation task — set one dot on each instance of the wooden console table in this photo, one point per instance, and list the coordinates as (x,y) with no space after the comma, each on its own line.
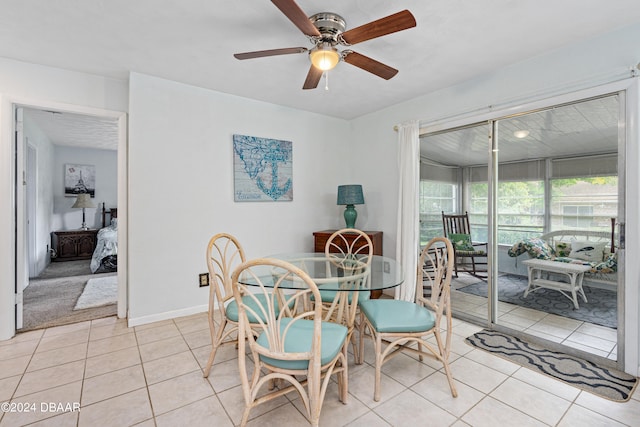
(575,273)
(73,245)
(320,240)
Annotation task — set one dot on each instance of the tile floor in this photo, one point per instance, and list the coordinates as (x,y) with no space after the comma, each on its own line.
(594,339)
(151,375)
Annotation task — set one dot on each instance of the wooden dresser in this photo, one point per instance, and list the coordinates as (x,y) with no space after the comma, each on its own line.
(72,245)
(320,240)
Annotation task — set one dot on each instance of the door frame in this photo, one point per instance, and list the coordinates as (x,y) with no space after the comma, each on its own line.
(628,294)
(15,260)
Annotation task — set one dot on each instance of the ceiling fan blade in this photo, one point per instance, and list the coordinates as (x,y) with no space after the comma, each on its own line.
(390,24)
(297,16)
(271,52)
(370,65)
(313,78)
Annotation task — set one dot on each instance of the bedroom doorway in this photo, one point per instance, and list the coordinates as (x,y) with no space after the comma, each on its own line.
(54,292)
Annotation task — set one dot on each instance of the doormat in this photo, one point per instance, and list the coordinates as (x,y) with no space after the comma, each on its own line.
(601,381)
(98,292)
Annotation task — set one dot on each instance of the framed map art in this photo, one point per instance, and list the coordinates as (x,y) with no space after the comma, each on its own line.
(262,169)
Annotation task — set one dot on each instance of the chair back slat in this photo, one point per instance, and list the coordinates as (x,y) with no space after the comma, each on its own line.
(455,224)
(224,254)
(435,268)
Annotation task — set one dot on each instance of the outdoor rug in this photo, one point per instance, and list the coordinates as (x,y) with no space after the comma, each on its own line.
(604,382)
(98,292)
(600,308)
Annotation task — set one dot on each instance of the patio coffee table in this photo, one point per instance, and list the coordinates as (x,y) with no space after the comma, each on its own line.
(575,273)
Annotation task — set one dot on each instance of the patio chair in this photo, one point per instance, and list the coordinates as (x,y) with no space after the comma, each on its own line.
(292,346)
(458,231)
(401,324)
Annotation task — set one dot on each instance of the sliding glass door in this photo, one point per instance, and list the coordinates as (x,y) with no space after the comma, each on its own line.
(545,186)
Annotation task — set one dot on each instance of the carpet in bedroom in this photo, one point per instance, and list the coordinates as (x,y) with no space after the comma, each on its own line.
(49,299)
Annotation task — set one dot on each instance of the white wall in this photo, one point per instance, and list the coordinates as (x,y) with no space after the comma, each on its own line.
(30,84)
(580,66)
(106,165)
(181,187)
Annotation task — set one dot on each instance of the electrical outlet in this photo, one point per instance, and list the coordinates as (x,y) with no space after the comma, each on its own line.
(387,267)
(204,279)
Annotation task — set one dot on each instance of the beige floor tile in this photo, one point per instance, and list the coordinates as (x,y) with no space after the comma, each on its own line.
(623,412)
(53,342)
(100,331)
(146,336)
(65,329)
(59,356)
(154,325)
(44,379)
(15,366)
(67,395)
(531,400)
(406,370)
(579,416)
(171,366)
(226,375)
(591,341)
(233,402)
(8,386)
(598,331)
(112,384)
(491,413)
(545,382)
(111,344)
(24,336)
(361,384)
(193,323)
(163,348)
(488,359)
(179,391)
(206,412)
(411,406)
(283,416)
(334,412)
(435,388)
(477,375)
(369,419)
(17,349)
(67,419)
(124,410)
(108,362)
(198,339)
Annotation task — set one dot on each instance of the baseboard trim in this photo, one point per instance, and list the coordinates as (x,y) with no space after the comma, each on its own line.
(143,320)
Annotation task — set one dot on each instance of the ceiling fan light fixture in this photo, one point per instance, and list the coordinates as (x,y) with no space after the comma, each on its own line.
(521,134)
(324,57)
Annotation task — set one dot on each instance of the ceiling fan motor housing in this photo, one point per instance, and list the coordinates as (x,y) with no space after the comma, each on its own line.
(330,26)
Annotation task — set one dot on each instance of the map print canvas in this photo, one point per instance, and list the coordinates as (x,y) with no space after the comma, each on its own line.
(263,169)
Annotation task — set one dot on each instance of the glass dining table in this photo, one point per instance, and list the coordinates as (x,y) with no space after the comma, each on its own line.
(340,281)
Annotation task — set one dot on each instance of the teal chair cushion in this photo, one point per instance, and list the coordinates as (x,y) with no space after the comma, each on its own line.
(232,308)
(389,315)
(299,338)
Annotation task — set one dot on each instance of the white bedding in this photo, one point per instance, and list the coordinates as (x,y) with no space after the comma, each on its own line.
(107,244)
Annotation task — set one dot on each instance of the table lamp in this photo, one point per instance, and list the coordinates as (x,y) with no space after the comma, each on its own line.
(84,201)
(350,195)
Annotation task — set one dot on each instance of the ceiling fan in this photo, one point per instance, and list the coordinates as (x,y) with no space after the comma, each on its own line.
(326,30)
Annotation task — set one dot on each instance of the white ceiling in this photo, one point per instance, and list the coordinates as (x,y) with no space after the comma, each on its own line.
(193,41)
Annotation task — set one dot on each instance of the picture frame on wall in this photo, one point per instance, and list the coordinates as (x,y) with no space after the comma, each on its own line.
(79,179)
(262,169)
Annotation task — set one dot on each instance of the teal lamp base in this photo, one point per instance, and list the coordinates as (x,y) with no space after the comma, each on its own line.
(350,216)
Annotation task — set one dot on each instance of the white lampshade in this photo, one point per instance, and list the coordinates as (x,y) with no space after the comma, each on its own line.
(84,201)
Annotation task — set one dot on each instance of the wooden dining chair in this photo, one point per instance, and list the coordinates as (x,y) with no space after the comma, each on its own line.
(294,347)
(457,229)
(396,325)
(224,254)
(349,253)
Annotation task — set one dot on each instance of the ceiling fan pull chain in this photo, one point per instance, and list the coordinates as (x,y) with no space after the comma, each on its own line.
(326,80)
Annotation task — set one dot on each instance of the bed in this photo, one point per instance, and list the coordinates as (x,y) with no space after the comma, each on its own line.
(105,256)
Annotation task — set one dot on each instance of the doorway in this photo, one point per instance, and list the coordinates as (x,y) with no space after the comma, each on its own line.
(554,176)
(56,138)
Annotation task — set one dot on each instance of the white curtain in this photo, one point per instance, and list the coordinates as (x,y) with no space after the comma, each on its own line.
(408,233)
